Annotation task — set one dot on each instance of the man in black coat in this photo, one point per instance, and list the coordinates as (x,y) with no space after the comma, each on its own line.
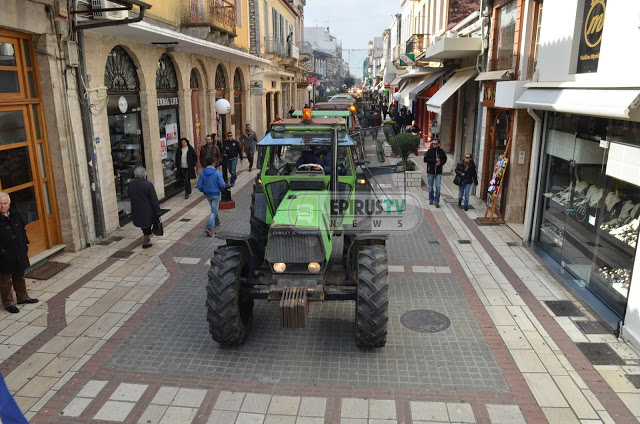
(435,158)
(233,149)
(145,209)
(186,159)
(14,258)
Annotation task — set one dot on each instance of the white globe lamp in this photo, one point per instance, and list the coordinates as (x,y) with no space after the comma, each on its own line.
(397,96)
(328,90)
(381,91)
(223,106)
(309,88)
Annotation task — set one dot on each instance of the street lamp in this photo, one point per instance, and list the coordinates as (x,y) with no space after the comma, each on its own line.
(309,90)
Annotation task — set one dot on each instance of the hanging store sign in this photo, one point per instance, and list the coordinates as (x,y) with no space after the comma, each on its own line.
(312,79)
(591,36)
(489,93)
(408,59)
(257,87)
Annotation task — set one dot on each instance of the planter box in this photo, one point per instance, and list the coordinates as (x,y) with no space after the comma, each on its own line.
(414,178)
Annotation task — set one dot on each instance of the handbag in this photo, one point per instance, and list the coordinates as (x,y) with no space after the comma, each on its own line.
(157,228)
(457,180)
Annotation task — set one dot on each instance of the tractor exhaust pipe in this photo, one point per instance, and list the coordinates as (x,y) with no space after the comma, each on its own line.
(333,182)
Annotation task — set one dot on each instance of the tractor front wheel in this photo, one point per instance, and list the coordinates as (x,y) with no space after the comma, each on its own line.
(228,314)
(372,299)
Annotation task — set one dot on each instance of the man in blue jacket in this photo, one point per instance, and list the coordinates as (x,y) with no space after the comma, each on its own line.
(211,184)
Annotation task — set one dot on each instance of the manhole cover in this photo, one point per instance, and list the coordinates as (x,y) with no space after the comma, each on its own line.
(464,241)
(434,242)
(600,354)
(634,379)
(590,327)
(564,308)
(121,254)
(425,321)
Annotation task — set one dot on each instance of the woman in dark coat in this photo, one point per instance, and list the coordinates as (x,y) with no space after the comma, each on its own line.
(145,209)
(466,170)
(186,159)
(14,258)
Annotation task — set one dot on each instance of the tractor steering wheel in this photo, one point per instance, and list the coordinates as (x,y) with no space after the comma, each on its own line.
(311,167)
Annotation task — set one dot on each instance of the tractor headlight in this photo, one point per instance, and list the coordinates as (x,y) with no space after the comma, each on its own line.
(362,181)
(279,267)
(314,267)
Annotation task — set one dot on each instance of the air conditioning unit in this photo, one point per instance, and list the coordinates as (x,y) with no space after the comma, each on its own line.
(112,15)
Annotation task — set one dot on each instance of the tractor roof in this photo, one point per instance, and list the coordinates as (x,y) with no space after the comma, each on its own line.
(337,113)
(311,137)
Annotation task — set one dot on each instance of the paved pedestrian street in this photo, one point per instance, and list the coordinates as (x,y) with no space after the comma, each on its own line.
(121,336)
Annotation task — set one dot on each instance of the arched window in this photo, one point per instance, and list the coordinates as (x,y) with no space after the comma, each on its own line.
(166,78)
(120,72)
(193,80)
(221,82)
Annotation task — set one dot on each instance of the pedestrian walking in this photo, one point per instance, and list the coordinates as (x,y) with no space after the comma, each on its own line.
(376,122)
(467,173)
(234,150)
(249,140)
(210,150)
(186,162)
(14,257)
(211,184)
(385,111)
(145,209)
(435,158)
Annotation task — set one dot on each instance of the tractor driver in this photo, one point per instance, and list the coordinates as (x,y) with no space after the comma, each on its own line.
(317,155)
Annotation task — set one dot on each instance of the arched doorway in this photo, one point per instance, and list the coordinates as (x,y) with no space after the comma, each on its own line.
(237,100)
(125,129)
(25,161)
(194,84)
(168,120)
(221,91)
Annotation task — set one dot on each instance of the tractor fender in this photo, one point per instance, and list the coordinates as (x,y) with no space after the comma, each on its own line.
(242,240)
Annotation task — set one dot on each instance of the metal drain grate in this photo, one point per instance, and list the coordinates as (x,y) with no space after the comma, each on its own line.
(425,321)
(590,327)
(564,308)
(634,379)
(464,241)
(600,354)
(120,254)
(185,220)
(46,270)
(513,244)
(433,242)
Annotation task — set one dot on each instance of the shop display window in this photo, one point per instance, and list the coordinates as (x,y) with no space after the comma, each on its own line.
(127,154)
(168,121)
(589,220)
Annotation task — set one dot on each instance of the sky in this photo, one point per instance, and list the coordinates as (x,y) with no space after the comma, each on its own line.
(353,22)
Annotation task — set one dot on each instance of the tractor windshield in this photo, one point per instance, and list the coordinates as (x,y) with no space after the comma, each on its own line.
(293,160)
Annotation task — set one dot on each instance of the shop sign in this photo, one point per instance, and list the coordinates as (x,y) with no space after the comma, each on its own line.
(387,86)
(168,100)
(302,85)
(257,87)
(312,79)
(408,59)
(171,131)
(591,36)
(163,147)
(489,93)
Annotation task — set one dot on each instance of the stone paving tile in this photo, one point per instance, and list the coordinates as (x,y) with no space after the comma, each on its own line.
(153,414)
(313,407)
(354,408)
(505,414)
(429,411)
(189,397)
(178,414)
(232,401)
(255,403)
(382,409)
(284,405)
(114,411)
(128,392)
(76,407)
(91,389)
(246,418)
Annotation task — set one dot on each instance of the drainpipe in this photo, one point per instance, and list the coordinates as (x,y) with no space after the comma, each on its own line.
(484,54)
(533,175)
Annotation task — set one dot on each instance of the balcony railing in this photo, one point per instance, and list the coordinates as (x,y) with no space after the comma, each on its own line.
(219,15)
(417,43)
(281,48)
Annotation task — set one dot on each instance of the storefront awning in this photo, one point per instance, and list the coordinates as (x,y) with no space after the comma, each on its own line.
(616,104)
(409,86)
(453,48)
(426,83)
(144,32)
(434,104)
(495,75)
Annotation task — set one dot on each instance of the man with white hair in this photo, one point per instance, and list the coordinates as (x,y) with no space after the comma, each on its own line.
(14,258)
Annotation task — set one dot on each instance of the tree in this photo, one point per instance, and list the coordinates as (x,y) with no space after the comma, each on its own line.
(349,81)
(404,144)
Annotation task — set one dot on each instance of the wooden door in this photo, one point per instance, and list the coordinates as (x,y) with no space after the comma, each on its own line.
(195,119)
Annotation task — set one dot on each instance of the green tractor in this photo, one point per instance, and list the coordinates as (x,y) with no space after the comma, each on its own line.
(302,201)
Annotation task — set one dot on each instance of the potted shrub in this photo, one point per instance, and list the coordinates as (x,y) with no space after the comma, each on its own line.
(403,145)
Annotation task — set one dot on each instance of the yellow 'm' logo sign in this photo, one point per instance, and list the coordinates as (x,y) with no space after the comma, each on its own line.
(594,22)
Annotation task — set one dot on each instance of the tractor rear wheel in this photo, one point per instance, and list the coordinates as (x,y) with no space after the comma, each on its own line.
(228,314)
(372,299)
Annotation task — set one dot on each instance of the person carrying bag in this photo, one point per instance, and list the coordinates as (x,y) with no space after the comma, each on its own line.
(466,174)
